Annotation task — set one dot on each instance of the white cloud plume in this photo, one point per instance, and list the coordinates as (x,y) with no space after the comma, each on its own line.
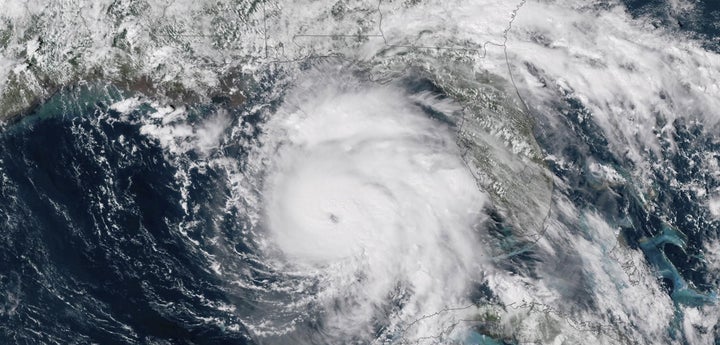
(370,196)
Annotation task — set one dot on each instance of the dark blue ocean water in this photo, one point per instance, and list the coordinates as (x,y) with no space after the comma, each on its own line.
(90,244)
(669,223)
(702,21)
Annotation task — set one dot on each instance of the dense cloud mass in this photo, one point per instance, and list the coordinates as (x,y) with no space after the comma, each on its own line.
(360,172)
(370,194)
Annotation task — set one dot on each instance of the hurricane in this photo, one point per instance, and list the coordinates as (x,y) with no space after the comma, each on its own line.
(366,193)
(464,172)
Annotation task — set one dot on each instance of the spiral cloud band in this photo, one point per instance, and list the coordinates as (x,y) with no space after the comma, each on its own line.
(368,193)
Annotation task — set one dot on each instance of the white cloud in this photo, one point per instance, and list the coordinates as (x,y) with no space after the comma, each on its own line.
(371,196)
(714,206)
